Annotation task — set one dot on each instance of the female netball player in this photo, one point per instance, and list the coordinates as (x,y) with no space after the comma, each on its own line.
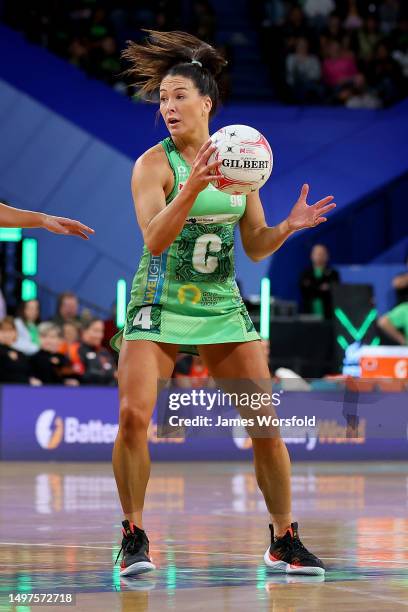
(14,217)
(188,228)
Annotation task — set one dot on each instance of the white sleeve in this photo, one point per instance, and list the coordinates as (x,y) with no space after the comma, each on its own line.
(24,342)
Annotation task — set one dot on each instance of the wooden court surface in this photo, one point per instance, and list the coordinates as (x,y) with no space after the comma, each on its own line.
(60,531)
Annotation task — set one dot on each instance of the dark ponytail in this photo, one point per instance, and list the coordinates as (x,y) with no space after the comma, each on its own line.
(174,53)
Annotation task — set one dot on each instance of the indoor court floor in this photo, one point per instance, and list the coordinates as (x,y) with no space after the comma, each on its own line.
(208,529)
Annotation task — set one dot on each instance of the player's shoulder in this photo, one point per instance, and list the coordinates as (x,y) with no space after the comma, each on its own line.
(153,158)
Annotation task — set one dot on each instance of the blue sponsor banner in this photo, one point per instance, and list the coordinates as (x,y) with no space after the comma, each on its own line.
(80,424)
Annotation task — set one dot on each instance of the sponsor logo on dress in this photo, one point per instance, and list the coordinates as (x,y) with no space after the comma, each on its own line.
(190,290)
(210,299)
(155,278)
(182,171)
(221,218)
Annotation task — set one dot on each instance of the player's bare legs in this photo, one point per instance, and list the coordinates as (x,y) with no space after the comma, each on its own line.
(141,364)
(271,459)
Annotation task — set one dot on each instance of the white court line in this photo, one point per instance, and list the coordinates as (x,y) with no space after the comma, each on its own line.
(192,552)
(47,569)
(46,544)
(368,594)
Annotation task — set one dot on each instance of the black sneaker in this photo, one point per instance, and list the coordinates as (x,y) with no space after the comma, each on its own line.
(135,546)
(289,555)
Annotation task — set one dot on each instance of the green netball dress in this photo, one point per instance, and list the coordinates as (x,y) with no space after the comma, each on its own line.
(188,295)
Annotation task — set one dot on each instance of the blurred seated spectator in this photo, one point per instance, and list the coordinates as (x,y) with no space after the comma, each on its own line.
(359,95)
(317,11)
(316,283)
(69,342)
(303,73)
(93,363)
(67,308)
(387,75)
(400,284)
(26,322)
(368,38)
(48,364)
(353,20)
(294,28)
(388,12)
(400,41)
(332,32)
(395,323)
(339,67)
(14,365)
(272,13)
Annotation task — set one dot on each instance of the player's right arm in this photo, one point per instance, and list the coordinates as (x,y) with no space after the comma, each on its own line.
(15,217)
(161,224)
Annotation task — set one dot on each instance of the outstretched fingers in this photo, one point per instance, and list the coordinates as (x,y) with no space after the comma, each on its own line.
(325,209)
(324,201)
(75,227)
(304,192)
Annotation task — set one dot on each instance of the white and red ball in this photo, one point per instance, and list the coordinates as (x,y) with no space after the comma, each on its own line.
(246,157)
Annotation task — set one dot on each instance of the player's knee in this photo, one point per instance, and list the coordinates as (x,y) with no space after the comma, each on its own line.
(133,419)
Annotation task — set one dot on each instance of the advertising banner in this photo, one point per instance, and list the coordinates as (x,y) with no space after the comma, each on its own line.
(80,424)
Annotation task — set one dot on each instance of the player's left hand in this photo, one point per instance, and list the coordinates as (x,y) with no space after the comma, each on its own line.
(304,215)
(69,227)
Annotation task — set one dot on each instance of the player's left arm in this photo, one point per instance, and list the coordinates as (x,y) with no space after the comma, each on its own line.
(260,241)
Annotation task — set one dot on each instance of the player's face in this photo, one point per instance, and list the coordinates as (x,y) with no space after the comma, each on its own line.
(182,106)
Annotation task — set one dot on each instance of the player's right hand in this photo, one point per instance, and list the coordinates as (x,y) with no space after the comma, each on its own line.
(69,227)
(202,172)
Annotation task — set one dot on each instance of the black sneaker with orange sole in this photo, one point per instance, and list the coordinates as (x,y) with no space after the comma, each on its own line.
(288,554)
(135,547)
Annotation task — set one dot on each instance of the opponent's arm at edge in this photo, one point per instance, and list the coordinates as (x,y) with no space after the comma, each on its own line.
(14,217)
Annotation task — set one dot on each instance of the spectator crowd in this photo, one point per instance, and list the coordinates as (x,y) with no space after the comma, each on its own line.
(71,349)
(90,34)
(344,52)
(67,350)
(339,52)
